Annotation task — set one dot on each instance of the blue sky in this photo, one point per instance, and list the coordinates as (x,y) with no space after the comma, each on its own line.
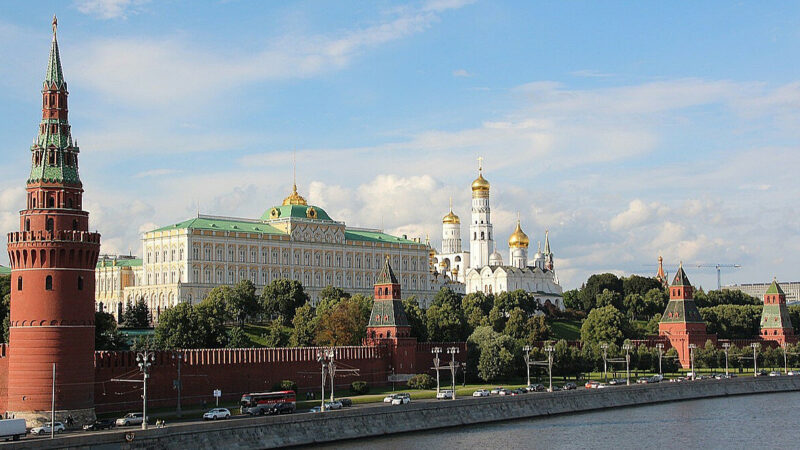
(629,129)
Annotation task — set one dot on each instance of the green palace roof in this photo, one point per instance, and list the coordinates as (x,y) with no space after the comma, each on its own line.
(5,270)
(296,212)
(126,262)
(375,236)
(220,224)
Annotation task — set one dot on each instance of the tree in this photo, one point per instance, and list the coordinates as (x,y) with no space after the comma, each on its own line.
(609,297)
(136,315)
(494,362)
(724,297)
(416,318)
(304,326)
(572,299)
(276,334)
(445,323)
(237,338)
(476,307)
(733,321)
(447,296)
(606,324)
(211,316)
(636,284)
(5,313)
(595,285)
(332,294)
(345,324)
(217,302)
(281,298)
(537,329)
(516,324)
(178,328)
(655,301)
(106,334)
(243,303)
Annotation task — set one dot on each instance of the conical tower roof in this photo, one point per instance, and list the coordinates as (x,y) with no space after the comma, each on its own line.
(54,78)
(680,278)
(775,288)
(387,274)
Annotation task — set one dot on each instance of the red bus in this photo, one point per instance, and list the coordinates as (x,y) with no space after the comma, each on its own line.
(261,403)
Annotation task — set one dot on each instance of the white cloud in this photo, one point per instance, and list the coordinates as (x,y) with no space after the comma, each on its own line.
(590,73)
(109,9)
(461,73)
(638,213)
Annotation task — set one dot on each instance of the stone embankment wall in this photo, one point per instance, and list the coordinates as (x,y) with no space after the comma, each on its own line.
(270,432)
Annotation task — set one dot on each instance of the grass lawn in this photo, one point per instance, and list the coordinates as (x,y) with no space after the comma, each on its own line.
(566,329)
(254,332)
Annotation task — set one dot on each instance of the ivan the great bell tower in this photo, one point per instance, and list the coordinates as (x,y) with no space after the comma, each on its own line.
(53,258)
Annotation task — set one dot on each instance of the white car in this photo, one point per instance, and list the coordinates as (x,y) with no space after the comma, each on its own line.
(388,398)
(333,405)
(496,390)
(130,419)
(445,394)
(480,393)
(217,413)
(401,400)
(46,428)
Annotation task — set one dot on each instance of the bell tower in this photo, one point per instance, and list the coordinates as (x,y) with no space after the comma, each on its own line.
(480,228)
(53,258)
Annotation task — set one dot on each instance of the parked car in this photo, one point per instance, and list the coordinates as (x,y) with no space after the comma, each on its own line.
(617,382)
(643,380)
(496,390)
(536,388)
(570,386)
(591,384)
(774,374)
(480,393)
(657,378)
(602,386)
(47,427)
(762,373)
(388,398)
(12,429)
(792,373)
(556,388)
(519,391)
(130,419)
(444,394)
(402,399)
(99,424)
(333,405)
(315,409)
(280,408)
(346,402)
(504,392)
(217,413)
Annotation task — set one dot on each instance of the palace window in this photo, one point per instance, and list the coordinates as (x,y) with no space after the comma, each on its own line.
(195,253)
(180,254)
(241,255)
(219,254)
(253,256)
(230,254)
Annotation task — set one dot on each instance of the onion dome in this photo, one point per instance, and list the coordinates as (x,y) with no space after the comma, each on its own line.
(294,198)
(451,218)
(518,238)
(480,184)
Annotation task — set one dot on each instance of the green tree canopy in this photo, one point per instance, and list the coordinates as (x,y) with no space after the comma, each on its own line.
(416,318)
(136,315)
(606,324)
(304,327)
(447,296)
(445,323)
(636,284)
(724,297)
(281,298)
(242,303)
(732,321)
(106,334)
(572,299)
(595,285)
(346,323)
(178,328)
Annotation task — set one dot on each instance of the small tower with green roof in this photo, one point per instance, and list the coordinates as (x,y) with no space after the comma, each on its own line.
(775,322)
(681,322)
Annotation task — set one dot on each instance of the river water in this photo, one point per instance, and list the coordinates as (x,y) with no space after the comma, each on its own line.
(764,421)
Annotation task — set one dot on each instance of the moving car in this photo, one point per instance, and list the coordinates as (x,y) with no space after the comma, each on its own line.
(401,399)
(657,378)
(774,374)
(346,402)
(445,394)
(536,388)
(280,408)
(496,390)
(617,382)
(315,409)
(217,413)
(643,380)
(762,373)
(12,429)
(519,391)
(130,419)
(602,386)
(504,392)
(480,393)
(46,428)
(388,398)
(792,373)
(99,424)
(570,386)
(333,405)
(591,384)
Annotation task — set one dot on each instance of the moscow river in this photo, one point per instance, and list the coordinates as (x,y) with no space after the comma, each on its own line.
(768,421)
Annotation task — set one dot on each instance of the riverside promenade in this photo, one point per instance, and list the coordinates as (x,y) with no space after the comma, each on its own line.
(299,429)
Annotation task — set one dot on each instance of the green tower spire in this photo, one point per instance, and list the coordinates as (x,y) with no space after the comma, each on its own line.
(54,78)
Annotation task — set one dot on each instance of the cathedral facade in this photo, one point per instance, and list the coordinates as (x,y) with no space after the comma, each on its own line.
(482,268)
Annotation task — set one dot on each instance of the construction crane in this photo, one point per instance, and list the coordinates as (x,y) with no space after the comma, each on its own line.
(718,267)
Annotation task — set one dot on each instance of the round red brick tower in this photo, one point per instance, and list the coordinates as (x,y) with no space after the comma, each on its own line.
(53,258)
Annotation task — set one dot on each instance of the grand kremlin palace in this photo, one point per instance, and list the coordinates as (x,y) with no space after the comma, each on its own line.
(298,241)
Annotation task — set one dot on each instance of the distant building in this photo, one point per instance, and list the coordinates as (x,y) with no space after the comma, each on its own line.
(112,275)
(757,290)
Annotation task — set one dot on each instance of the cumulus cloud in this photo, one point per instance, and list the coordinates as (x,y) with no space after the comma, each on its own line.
(461,73)
(109,9)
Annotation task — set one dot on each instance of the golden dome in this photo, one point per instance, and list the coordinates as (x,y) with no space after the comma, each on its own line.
(294,198)
(451,218)
(518,238)
(480,183)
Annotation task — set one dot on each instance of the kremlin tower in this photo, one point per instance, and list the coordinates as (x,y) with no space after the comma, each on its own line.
(53,259)
(481,242)
(775,322)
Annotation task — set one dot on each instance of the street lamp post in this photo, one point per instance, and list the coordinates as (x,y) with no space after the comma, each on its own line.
(726,346)
(549,349)
(435,351)
(604,346)
(453,351)
(145,359)
(322,360)
(627,348)
(755,346)
(331,368)
(660,348)
(527,350)
(691,356)
(785,360)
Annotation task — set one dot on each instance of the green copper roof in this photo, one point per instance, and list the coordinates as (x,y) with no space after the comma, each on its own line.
(775,288)
(680,278)
(775,315)
(54,73)
(295,211)
(681,311)
(5,270)
(387,275)
(388,313)
(375,236)
(126,262)
(220,224)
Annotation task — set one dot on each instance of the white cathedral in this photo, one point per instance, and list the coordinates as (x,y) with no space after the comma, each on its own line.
(481,269)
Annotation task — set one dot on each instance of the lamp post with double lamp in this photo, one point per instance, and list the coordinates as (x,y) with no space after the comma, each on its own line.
(178,356)
(785,361)
(549,349)
(322,359)
(527,350)
(660,348)
(604,346)
(755,346)
(726,346)
(627,347)
(435,351)
(453,351)
(145,359)
(691,357)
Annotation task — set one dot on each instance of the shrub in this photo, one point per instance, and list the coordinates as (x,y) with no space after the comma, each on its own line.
(285,385)
(359,387)
(421,381)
